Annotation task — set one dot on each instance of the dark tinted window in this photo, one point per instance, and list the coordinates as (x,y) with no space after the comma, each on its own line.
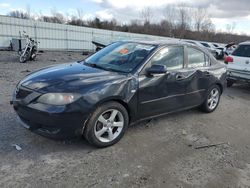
(172,57)
(205,44)
(242,51)
(196,58)
(216,45)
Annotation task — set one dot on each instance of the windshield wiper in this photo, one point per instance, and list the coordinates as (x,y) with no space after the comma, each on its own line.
(95,65)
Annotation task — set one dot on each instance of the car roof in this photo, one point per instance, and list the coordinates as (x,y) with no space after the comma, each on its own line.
(162,42)
(245,43)
(169,42)
(156,42)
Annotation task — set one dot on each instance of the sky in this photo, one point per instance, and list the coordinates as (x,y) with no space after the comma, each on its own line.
(232,12)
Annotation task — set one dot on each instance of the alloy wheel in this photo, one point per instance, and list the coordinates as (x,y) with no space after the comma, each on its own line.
(109,125)
(213,98)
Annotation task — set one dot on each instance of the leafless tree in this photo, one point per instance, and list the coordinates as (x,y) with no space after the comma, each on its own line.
(28,11)
(79,13)
(146,14)
(169,22)
(230,27)
(201,20)
(183,21)
(19,14)
(178,22)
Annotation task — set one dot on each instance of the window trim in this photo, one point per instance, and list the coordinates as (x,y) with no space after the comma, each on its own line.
(149,63)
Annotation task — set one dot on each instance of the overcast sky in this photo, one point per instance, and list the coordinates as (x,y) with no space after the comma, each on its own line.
(222,12)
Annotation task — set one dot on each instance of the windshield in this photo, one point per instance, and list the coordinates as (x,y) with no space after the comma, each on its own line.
(120,56)
(242,51)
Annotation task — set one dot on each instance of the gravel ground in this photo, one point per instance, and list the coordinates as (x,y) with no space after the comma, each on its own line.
(159,153)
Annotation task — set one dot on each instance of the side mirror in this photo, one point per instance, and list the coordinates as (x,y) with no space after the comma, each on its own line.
(157,69)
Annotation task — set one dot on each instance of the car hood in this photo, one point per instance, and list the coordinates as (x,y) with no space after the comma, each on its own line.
(69,78)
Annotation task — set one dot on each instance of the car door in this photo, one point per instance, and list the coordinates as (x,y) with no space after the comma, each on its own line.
(200,76)
(162,93)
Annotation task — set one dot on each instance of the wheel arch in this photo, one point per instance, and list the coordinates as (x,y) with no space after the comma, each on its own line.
(118,100)
(220,86)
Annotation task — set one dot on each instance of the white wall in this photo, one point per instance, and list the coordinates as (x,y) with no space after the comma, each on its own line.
(59,36)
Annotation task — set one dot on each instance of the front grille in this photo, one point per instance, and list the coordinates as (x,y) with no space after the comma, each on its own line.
(21,93)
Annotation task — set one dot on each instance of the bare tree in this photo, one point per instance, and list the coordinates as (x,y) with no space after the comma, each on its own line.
(179,21)
(56,17)
(183,17)
(146,15)
(79,13)
(28,11)
(169,22)
(169,13)
(183,21)
(201,20)
(231,27)
(19,14)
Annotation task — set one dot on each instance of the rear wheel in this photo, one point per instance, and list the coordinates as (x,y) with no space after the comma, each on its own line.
(107,125)
(212,99)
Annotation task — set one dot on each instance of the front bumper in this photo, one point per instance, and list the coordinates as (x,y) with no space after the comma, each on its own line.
(58,122)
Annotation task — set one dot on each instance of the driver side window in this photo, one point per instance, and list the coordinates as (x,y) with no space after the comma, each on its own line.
(172,57)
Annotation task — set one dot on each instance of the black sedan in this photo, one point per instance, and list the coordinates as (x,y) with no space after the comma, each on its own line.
(121,84)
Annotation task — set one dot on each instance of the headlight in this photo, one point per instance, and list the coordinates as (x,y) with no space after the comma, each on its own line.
(58,98)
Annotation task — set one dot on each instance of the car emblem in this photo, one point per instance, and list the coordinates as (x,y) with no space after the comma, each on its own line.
(247,62)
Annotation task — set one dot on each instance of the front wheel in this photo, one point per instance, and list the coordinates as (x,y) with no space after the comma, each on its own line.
(212,99)
(24,57)
(107,125)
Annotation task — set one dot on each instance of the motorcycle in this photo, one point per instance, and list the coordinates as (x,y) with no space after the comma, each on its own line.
(29,52)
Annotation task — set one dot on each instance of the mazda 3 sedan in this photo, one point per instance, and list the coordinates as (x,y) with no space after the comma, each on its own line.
(121,84)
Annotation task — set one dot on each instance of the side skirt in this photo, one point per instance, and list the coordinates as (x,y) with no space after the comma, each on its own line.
(163,114)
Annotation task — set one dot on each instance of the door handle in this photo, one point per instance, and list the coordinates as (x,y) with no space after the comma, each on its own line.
(180,77)
(207,73)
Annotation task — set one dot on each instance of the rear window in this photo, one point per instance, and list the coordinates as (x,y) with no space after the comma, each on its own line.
(196,58)
(242,51)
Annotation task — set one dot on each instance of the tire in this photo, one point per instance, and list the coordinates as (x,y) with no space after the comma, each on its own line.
(33,57)
(212,101)
(101,130)
(230,83)
(24,58)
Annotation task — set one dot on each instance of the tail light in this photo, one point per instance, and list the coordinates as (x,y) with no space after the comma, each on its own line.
(228,59)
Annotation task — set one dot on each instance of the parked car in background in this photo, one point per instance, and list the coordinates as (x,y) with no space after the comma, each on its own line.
(217,51)
(220,53)
(119,85)
(213,52)
(215,45)
(238,64)
(229,48)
